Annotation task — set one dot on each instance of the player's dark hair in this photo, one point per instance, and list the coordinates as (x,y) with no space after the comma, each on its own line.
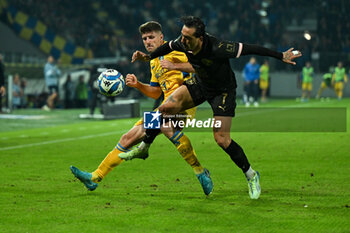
(194,22)
(151,26)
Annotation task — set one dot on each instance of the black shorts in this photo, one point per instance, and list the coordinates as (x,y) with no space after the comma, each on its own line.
(223,104)
(53,89)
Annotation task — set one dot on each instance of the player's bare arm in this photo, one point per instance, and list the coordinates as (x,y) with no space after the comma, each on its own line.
(138,55)
(181,66)
(149,91)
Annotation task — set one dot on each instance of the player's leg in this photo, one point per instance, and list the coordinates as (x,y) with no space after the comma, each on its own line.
(263,86)
(184,147)
(309,90)
(256,92)
(322,87)
(339,86)
(237,155)
(303,91)
(112,160)
(224,109)
(249,93)
(336,89)
(178,101)
(52,97)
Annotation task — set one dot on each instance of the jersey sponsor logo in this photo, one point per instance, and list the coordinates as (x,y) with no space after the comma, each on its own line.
(223,108)
(230,48)
(160,72)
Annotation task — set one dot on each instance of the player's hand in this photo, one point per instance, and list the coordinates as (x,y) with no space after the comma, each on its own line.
(165,64)
(138,55)
(290,55)
(2,91)
(131,80)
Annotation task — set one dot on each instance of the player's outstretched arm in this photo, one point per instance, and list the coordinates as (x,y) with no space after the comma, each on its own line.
(287,56)
(181,66)
(138,55)
(160,51)
(148,90)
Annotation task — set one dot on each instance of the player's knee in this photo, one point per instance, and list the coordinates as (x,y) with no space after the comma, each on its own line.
(222,141)
(167,109)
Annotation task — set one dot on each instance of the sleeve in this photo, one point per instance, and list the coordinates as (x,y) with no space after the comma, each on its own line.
(249,49)
(154,84)
(168,47)
(227,49)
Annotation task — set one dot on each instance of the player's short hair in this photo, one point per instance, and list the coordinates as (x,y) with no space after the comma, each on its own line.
(151,26)
(194,22)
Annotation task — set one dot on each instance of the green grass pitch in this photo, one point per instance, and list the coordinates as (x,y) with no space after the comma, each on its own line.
(304,178)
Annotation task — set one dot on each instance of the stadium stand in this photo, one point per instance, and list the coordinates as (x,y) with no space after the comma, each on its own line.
(74,30)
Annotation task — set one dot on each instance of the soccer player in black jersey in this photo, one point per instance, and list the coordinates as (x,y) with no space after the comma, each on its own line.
(216,83)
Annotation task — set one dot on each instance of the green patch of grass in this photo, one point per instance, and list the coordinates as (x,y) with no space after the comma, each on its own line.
(304,178)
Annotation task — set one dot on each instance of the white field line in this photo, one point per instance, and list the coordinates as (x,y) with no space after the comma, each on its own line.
(60,140)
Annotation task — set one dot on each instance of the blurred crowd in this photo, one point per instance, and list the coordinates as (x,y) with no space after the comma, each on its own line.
(253,21)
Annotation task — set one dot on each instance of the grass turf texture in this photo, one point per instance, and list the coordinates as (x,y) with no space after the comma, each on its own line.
(304,178)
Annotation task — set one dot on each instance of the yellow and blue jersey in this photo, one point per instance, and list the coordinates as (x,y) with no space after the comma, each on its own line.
(168,80)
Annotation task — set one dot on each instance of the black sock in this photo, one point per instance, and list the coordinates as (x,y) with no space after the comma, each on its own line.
(237,155)
(151,134)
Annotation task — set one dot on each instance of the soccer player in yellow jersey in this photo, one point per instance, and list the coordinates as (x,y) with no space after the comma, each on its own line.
(167,76)
(338,80)
(326,82)
(264,79)
(308,74)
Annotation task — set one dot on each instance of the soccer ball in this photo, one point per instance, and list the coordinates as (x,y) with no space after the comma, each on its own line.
(110,82)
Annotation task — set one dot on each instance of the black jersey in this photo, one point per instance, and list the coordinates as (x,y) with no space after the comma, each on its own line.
(212,63)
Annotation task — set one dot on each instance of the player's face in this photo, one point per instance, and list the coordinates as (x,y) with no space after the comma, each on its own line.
(188,39)
(152,40)
(50,59)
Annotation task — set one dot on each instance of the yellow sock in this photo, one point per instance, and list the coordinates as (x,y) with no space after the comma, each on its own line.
(185,148)
(111,161)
